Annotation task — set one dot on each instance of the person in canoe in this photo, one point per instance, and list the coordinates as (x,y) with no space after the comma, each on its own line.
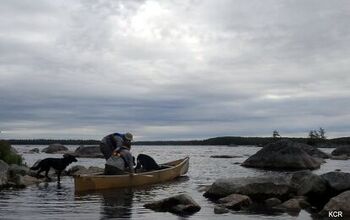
(116,150)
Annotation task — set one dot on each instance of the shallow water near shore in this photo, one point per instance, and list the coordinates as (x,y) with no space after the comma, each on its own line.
(52,201)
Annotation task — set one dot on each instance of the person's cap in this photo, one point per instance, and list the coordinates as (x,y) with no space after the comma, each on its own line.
(128,136)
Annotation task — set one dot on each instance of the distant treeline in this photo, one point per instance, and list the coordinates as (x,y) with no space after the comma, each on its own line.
(229,140)
(51,141)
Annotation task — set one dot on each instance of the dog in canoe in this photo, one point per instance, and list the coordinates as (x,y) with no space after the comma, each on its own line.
(146,163)
(59,164)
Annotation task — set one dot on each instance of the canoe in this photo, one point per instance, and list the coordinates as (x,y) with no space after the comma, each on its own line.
(173,169)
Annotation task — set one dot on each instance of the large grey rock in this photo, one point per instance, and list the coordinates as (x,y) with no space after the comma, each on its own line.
(340,202)
(307,183)
(3,173)
(254,187)
(88,152)
(285,155)
(54,148)
(181,204)
(338,181)
(342,150)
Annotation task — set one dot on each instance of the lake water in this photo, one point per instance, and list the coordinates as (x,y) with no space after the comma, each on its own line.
(50,201)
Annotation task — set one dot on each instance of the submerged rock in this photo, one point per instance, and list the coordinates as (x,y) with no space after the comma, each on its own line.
(181,204)
(284,155)
(54,148)
(88,152)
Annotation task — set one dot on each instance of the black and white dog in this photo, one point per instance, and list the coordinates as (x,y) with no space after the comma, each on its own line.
(59,164)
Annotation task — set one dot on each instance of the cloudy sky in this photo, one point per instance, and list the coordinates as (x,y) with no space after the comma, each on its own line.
(173,70)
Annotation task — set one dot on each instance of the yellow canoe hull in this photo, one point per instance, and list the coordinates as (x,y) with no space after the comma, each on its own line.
(90,182)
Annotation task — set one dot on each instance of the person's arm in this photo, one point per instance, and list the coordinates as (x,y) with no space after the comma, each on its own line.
(129,160)
(118,142)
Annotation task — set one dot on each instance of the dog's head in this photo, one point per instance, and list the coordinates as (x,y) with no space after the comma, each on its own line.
(70,158)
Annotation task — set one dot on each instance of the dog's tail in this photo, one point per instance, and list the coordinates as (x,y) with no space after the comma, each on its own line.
(36,166)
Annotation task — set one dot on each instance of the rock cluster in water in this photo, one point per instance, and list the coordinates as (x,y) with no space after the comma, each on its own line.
(289,192)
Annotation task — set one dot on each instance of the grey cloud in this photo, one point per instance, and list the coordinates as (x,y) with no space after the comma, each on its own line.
(171,70)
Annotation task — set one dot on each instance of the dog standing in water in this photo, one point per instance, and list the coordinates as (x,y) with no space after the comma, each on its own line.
(59,164)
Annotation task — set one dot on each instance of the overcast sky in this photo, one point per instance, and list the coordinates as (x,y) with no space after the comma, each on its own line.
(173,70)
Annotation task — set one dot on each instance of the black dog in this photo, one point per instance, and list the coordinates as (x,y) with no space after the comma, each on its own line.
(59,164)
(146,163)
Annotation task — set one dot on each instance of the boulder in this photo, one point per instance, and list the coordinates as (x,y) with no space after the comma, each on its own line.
(54,148)
(254,187)
(181,204)
(3,173)
(340,202)
(283,155)
(337,181)
(342,150)
(307,183)
(88,152)
(235,201)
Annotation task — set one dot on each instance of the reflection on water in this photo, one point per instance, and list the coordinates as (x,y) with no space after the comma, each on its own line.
(52,201)
(114,203)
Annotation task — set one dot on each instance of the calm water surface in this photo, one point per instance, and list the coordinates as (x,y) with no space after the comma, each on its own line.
(50,201)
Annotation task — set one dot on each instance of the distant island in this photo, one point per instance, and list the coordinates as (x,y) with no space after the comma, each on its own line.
(227,140)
